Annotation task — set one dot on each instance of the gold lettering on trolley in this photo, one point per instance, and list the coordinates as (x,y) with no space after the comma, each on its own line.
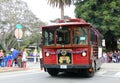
(64,59)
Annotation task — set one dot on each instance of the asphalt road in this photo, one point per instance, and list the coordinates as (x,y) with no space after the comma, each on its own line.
(108,73)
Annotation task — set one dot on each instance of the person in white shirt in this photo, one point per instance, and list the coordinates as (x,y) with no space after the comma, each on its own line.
(24,58)
(41,59)
(35,55)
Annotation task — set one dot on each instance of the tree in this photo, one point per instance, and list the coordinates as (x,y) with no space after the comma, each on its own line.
(103,14)
(14,12)
(57,19)
(60,4)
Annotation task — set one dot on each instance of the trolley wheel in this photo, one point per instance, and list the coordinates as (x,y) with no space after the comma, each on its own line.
(52,71)
(87,73)
(99,68)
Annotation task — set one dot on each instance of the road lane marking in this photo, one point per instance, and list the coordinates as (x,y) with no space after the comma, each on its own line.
(117,74)
(108,74)
(100,72)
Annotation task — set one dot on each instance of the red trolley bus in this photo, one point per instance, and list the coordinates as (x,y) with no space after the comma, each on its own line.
(71,45)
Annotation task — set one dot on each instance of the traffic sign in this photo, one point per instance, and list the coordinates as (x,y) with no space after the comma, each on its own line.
(18,33)
(19,40)
(19,26)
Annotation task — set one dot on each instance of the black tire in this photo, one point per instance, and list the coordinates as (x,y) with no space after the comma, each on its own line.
(53,72)
(94,67)
(91,74)
(86,73)
(99,68)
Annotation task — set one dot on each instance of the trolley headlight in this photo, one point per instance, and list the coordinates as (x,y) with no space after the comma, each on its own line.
(47,54)
(84,54)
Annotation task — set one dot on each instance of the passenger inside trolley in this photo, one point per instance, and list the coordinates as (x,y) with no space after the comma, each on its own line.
(80,36)
(63,36)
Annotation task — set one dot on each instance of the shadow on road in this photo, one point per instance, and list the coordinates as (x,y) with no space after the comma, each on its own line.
(70,75)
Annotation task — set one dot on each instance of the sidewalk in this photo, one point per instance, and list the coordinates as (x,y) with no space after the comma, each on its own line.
(111,66)
(30,66)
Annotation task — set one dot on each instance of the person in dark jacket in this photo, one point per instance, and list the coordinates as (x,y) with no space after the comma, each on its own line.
(14,56)
(19,60)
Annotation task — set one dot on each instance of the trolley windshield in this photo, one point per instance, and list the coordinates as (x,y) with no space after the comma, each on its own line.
(64,35)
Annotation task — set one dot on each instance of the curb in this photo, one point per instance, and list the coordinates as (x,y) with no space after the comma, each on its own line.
(30,67)
(12,69)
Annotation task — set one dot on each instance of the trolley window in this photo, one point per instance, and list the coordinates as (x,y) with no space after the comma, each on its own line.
(80,35)
(48,37)
(63,36)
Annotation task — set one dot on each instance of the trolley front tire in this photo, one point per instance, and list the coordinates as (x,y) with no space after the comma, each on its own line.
(86,73)
(52,72)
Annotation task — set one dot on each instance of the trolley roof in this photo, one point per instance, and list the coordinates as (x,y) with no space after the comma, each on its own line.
(68,22)
(72,22)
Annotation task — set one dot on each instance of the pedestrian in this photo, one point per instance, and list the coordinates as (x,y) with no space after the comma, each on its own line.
(15,53)
(35,55)
(1,57)
(41,59)
(105,57)
(9,59)
(31,53)
(24,58)
(110,56)
(31,56)
(1,53)
(19,60)
(5,60)
(118,56)
(114,57)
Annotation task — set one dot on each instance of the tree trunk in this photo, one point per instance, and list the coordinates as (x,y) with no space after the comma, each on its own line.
(62,12)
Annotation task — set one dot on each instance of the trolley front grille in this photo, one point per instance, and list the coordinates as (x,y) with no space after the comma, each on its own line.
(64,56)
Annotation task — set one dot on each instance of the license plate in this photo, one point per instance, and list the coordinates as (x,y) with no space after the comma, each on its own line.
(63,66)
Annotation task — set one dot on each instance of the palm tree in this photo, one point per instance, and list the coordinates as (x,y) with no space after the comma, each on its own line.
(60,4)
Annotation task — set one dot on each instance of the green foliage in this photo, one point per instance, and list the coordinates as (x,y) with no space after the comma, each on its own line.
(60,4)
(17,12)
(119,46)
(103,14)
(1,47)
(57,19)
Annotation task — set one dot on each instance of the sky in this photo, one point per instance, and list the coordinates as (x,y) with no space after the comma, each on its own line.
(45,12)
